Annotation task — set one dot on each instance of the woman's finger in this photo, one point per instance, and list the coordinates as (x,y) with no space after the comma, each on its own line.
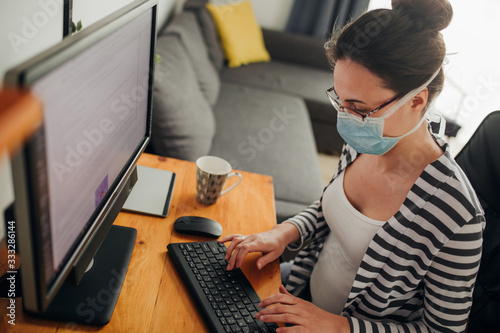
(281,313)
(233,253)
(235,240)
(227,238)
(290,329)
(243,249)
(267,258)
(282,318)
(278,298)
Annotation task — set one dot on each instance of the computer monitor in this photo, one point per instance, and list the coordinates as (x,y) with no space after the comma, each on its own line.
(73,176)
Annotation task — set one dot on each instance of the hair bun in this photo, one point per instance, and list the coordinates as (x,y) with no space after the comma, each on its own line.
(437,14)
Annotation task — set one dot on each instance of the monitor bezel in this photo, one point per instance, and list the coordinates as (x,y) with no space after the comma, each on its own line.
(37,293)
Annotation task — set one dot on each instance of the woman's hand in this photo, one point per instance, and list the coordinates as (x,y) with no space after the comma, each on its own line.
(307,317)
(271,243)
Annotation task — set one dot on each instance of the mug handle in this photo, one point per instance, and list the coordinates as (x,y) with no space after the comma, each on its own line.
(232,186)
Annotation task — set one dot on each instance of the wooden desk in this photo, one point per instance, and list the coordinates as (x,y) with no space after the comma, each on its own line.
(153,298)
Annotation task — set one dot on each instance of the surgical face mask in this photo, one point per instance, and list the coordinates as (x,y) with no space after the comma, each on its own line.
(366,135)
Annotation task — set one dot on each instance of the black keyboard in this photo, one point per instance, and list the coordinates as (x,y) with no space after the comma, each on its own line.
(226,299)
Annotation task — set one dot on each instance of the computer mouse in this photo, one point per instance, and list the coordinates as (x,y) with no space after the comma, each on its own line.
(196,225)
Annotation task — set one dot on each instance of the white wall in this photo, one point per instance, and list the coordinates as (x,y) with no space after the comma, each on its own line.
(85,10)
(27,27)
(272,14)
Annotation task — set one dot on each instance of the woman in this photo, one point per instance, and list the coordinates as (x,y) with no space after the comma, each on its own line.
(394,243)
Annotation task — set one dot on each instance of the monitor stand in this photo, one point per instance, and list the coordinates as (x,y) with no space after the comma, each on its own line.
(151,193)
(92,302)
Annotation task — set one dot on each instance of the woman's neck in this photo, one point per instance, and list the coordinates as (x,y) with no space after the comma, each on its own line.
(411,154)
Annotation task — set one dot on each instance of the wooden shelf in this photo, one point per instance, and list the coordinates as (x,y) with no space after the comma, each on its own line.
(20,115)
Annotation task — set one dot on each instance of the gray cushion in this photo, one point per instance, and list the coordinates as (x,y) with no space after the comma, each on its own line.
(186,26)
(306,82)
(269,133)
(183,121)
(209,31)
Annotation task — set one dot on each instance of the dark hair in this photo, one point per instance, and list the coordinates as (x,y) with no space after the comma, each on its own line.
(402,46)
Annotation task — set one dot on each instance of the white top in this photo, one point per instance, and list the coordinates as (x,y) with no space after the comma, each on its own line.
(345,246)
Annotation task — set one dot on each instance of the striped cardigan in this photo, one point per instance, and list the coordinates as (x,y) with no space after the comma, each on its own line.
(419,271)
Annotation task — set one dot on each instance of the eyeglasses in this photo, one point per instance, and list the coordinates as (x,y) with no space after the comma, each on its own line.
(335,100)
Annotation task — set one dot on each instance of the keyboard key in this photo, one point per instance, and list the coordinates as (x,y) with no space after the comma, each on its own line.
(214,248)
(227,299)
(205,247)
(254,328)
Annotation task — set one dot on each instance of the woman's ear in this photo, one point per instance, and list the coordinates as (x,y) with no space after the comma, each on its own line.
(419,102)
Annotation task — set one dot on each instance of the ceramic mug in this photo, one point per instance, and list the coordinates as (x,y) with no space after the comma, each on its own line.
(211,175)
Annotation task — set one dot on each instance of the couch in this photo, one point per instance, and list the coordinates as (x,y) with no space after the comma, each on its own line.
(267,117)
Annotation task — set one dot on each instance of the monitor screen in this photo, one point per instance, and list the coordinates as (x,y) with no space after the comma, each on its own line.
(95,120)
(75,173)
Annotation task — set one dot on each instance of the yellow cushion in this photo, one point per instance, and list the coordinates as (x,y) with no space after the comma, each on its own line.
(240,33)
